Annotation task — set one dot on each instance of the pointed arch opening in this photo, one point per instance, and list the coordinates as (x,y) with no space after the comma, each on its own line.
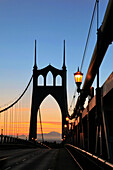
(40,80)
(51,120)
(58,80)
(49,79)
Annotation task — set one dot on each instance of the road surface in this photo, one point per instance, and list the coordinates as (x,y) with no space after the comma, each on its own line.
(37,159)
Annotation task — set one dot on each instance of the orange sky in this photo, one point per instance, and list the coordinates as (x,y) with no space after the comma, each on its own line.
(23,127)
(16,120)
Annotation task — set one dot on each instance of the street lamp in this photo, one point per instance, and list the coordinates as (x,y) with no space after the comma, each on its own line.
(78,79)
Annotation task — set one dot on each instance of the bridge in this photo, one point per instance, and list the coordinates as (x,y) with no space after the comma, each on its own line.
(87,133)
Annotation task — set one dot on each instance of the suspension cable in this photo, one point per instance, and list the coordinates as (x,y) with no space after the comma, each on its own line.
(88,37)
(84,51)
(18,98)
(74,95)
(41,125)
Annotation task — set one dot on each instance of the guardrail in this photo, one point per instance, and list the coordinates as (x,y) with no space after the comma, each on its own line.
(12,142)
(88,160)
(10,139)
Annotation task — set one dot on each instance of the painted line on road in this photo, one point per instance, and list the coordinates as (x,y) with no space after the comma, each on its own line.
(74,159)
(8,168)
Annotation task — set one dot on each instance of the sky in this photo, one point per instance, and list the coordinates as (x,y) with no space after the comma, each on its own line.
(49,22)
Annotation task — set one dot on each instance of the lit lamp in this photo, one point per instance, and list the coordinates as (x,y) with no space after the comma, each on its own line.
(78,79)
(65,126)
(67,118)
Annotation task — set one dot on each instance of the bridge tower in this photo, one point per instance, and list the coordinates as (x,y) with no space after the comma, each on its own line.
(59,93)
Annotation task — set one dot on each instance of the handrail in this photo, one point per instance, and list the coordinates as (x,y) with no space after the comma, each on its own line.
(92,155)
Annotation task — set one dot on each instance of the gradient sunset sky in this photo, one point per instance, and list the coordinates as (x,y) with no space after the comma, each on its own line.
(49,22)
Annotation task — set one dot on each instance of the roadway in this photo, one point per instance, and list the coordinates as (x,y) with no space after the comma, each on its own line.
(37,159)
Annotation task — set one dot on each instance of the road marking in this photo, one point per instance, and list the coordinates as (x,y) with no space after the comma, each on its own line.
(8,168)
(24,160)
(74,159)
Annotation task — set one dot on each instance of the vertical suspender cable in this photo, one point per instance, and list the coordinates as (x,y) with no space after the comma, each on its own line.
(13,122)
(4,123)
(10,122)
(20,117)
(41,125)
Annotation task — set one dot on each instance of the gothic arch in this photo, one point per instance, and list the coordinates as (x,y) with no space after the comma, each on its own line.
(54,102)
(49,79)
(59,93)
(40,80)
(58,80)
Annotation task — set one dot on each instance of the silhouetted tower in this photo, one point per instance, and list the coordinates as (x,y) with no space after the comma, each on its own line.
(41,92)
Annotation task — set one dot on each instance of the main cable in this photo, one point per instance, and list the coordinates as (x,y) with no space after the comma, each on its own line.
(18,97)
(88,36)
(85,49)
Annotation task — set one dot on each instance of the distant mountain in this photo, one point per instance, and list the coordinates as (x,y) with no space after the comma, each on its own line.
(55,134)
(52,136)
(23,136)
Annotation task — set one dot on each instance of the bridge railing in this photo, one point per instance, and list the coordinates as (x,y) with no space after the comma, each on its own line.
(4,139)
(88,159)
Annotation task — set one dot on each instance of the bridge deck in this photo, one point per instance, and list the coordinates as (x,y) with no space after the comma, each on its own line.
(41,159)
(68,158)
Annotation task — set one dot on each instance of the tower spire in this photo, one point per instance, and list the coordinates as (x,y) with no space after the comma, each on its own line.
(35,65)
(64,57)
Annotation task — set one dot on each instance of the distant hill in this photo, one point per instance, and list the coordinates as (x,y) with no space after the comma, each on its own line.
(52,136)
(23,136)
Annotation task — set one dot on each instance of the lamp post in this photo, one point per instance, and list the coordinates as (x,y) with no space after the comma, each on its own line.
(1,131)
(98,146)
(78,79)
